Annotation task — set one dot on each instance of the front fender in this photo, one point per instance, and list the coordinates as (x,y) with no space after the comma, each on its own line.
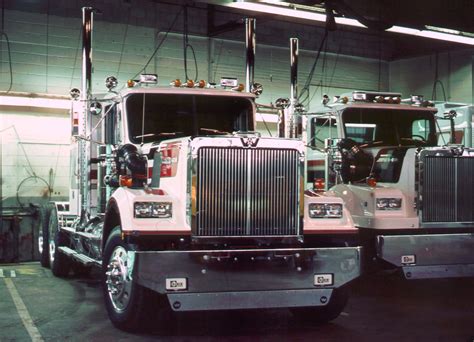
(343,225)
(123,200)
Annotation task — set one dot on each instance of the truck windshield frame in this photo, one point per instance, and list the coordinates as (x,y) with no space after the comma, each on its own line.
(158,116)
(389,127)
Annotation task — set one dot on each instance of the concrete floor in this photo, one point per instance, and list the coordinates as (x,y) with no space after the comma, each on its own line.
(383,307)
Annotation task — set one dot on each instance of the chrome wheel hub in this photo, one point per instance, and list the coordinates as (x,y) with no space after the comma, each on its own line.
(119,284)
(40,243)
(52,251)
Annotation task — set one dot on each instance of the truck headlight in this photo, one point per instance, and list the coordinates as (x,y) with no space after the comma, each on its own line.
(153,209)
(325,210)
(388,203)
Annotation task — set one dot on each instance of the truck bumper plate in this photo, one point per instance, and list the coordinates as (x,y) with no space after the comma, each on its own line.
(248,279)
(429,256)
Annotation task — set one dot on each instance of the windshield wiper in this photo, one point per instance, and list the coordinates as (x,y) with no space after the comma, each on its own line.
(212,130)
(162,134)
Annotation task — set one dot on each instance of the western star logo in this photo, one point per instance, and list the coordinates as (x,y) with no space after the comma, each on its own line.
(249,141)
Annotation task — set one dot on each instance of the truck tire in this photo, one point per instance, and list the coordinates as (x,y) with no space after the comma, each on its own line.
(324,314)
(43,234)
(130,307)
(59,263)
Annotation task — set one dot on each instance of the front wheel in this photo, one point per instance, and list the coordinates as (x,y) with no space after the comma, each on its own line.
(131,307)
(326,313)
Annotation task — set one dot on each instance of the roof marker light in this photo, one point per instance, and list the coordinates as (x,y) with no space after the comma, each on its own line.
(240,87)
(176,83)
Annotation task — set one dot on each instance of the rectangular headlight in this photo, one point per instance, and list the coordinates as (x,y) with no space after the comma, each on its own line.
(153,210)
(388,203)
(325,210)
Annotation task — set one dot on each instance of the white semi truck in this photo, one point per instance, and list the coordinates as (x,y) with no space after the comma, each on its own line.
(408,188)
(184,207)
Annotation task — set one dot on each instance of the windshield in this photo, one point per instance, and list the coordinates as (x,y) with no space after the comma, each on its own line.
(154,117)
(389,127)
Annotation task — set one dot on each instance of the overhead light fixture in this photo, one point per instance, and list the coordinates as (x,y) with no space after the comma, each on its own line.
(456,38)
(287,11)
(310,13)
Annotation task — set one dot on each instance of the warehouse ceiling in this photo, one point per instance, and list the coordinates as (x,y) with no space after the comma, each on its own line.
(378,15)
(456,14)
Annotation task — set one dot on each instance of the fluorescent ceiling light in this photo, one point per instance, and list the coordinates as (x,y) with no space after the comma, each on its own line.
(290,12)
(283,9)
(433,35)
(21,101)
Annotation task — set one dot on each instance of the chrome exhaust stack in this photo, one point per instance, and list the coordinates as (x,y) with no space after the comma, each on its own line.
(290,122)
(250,53)
(85,125)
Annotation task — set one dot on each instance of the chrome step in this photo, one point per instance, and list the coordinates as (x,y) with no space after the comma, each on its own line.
(82,258)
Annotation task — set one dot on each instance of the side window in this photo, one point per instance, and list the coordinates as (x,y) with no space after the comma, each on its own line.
(362,132)
(420,128)
(322,128)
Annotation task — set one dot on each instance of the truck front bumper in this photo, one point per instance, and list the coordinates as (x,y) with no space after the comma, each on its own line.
(429,256)
(247,279)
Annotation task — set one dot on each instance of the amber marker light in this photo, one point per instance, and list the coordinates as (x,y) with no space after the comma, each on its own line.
(190,83)
(201,84)
(240,87)
(372,182)
(176,83)
(130,83)
(318,184)
(126,181)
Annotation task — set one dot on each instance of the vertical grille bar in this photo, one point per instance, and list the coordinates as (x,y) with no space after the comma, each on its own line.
(247,192)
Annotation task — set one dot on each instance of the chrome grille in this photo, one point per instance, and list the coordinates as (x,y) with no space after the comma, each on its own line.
(447,189)
(247,192)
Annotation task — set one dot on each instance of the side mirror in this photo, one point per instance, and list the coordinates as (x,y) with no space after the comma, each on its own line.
(95,108)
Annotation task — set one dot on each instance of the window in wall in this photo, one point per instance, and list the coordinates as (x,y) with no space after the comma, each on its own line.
(322,128)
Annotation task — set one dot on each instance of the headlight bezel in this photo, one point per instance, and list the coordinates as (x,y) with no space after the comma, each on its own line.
(325,210)
(388,203)
(152,210)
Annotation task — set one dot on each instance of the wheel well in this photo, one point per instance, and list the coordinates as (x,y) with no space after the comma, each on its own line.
(112,220)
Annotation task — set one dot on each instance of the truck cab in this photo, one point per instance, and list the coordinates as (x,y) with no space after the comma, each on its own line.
(409,197)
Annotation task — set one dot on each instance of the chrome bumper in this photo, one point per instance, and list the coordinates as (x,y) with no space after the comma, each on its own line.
(247,279)
(429,256)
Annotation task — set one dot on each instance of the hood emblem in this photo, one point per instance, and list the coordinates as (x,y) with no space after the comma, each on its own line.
(249,141)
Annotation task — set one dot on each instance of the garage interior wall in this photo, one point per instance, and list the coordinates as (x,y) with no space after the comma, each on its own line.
(44,55)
